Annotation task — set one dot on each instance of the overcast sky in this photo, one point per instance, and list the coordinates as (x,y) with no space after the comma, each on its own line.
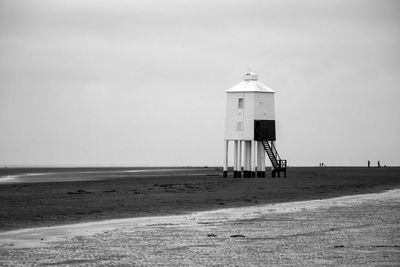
(143,82)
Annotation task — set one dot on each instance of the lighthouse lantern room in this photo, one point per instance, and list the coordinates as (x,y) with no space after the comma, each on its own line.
(250,125)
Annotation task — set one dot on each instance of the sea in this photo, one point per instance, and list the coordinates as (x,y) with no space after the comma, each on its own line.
(42,175)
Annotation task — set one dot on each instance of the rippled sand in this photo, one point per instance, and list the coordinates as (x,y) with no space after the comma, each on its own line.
(360,230)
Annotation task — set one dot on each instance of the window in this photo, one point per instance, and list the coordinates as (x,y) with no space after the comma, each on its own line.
(240,103)
(239,126)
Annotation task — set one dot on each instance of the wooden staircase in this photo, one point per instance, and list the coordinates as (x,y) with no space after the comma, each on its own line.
(279,165)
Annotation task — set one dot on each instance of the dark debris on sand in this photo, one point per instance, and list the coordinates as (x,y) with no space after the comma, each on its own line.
(80,191)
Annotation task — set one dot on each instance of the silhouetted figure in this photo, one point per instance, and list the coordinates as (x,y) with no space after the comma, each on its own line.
(369,163)
(379,164)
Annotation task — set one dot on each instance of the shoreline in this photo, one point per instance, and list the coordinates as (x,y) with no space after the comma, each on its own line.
(39,236)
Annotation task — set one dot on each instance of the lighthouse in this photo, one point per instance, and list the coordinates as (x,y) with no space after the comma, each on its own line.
(250,125)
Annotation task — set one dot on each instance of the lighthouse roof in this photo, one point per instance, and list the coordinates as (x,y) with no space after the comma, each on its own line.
(250,83)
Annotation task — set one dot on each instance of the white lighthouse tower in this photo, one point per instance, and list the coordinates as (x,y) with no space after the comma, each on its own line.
(250,125)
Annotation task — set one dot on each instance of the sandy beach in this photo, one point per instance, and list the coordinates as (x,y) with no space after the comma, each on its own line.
(192,216)
(361,229)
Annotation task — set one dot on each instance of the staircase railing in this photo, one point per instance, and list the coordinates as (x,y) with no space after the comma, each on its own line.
(274,151)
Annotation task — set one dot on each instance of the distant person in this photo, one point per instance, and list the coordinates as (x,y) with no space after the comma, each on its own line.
(379,164)
(369,163)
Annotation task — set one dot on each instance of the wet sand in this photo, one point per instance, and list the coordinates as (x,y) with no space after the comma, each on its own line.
(350,230)
(58,197)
